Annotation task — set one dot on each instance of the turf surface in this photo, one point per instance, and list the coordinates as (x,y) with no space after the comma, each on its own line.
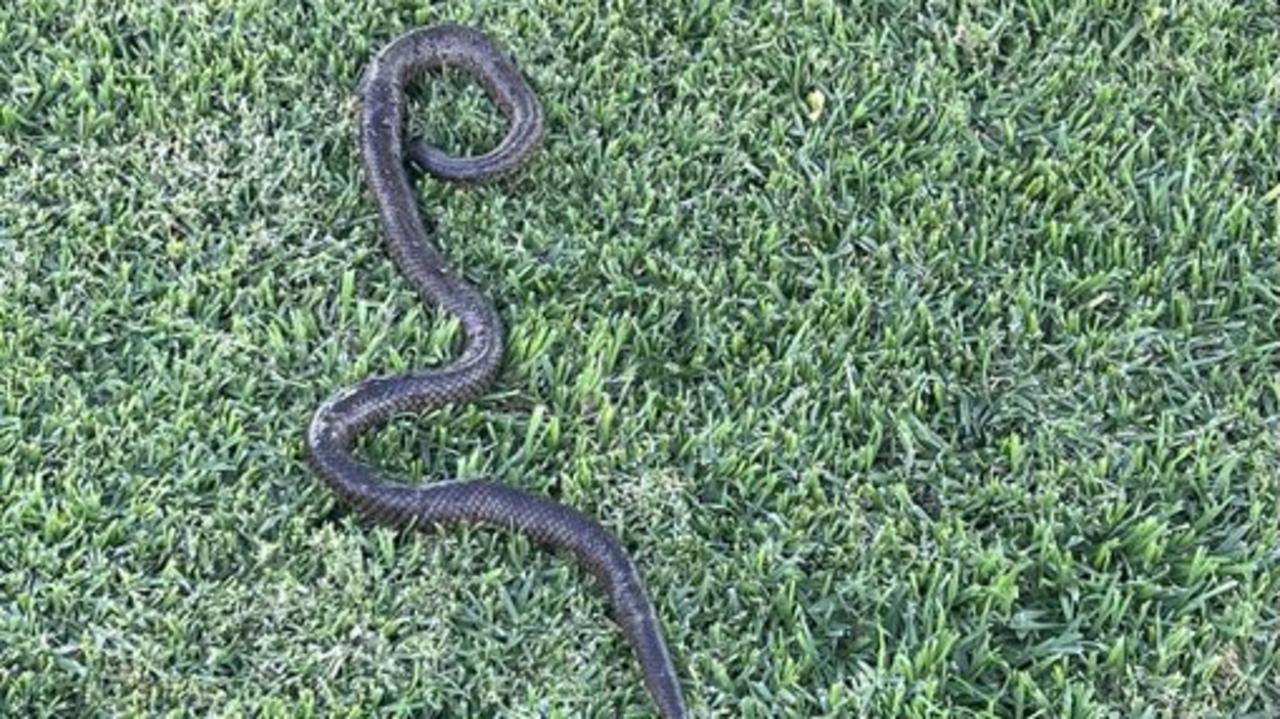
(925,354)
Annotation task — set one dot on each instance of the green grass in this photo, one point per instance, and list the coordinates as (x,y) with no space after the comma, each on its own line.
(960,399)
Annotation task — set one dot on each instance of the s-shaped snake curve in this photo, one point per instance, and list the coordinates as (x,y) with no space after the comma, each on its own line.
(370,403)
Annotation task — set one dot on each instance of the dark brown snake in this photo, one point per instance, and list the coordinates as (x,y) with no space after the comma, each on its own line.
(361,407)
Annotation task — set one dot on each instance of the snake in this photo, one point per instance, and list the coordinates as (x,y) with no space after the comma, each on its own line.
(368,404)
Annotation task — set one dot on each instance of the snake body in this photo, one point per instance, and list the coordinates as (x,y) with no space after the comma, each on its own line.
(349,412)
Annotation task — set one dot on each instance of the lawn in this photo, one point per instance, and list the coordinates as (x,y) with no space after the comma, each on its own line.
(924,354)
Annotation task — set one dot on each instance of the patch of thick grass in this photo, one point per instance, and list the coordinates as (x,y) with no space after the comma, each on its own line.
(958,398)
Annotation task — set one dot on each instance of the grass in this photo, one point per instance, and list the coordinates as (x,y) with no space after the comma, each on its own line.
(958,397)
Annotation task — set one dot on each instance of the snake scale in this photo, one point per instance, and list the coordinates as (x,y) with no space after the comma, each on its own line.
(351,411)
